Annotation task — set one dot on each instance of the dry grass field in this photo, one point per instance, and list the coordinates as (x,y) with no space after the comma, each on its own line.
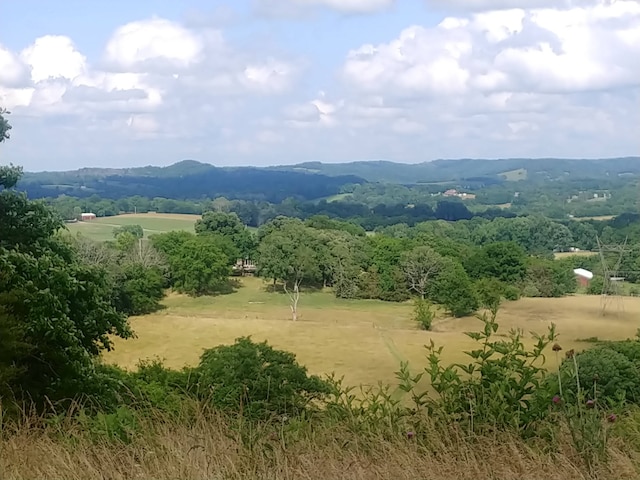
(364,340)
(582,253)
(101,229)
(600,218)
(209,449)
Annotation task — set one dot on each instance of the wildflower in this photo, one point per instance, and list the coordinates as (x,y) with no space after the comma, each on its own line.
(570,353)
(556,347)
(410,435)
(596,378)
(591,403)
(612,417)
(556,399)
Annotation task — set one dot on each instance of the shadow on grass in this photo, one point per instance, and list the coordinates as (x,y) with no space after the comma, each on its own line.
(279,288)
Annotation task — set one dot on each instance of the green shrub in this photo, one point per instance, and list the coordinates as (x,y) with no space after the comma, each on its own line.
(596,286)
(551,278)
(604,373)
(256,380)
(489,292)
(494,390)
(139,289)
(511,292)
(453,289)
(530,291)
(120,425)
(422,313)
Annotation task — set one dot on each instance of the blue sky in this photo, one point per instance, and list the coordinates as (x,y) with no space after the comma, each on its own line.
(259,82)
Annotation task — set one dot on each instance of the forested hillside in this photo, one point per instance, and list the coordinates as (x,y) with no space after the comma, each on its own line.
(469,169)
(310,181)
(187,179)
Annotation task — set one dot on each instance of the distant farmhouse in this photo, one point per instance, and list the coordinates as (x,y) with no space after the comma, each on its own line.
(87,217)
(583,276)
(454,193)
(244,267)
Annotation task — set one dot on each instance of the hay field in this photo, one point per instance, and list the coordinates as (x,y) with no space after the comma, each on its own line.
(101,229)
(515,175)
(364,340)
(582,253)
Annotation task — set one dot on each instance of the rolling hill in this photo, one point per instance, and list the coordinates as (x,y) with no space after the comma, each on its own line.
(190,179)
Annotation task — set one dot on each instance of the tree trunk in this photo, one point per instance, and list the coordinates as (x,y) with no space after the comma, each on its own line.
(294,297)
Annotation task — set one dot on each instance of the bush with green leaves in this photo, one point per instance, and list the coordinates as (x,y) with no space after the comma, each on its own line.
(550,278)
(423,314)
(596,285)
(135,230)
(579,407)
(56,312)
(609,372)
(494,390)
(256,380)
(453,289)
(139,289)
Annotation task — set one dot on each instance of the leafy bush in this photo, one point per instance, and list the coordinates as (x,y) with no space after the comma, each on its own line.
(453,290)
(583,414)
(256,380)
(596,285)
(489,292)
(120,425)
(423,314)
(494,390)
(551,278)
(139,289)
(135,230)
(511,292)
(530,290)
(605,374)
(151,386)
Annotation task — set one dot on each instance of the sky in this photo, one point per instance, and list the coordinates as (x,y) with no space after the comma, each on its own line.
(264,82)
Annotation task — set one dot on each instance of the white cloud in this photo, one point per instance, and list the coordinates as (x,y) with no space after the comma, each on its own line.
(484,5)
(147,66)
(271,76)
(529,82)
(54,57)
(139,46)
(13,71)
(515,50)
(292,8)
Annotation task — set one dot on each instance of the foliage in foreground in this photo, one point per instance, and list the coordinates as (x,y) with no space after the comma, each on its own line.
(56,312)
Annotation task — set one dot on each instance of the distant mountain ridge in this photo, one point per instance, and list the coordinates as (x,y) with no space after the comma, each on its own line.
(187,179)
(460,169)
(190,179)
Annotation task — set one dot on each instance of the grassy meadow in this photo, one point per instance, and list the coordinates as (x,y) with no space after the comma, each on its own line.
(582,253)
(362,340)
(101,229)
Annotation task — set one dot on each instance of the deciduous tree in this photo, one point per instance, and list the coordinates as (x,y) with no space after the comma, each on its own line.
(420,266)
(56,313)
(290,255)
(228,225)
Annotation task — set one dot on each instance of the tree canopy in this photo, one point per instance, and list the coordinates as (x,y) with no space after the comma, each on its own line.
(56,313)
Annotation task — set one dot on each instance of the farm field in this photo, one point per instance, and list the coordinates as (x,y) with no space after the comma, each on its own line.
(364,340)
(582,253)
(101,229)
(600,218)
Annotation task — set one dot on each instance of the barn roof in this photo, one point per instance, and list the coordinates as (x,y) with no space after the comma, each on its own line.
(581,272)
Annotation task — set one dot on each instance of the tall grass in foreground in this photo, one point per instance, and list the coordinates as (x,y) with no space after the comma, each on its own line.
(210,446)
